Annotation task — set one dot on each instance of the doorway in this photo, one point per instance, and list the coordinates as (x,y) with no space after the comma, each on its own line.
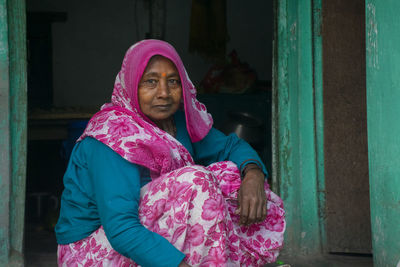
(345,128)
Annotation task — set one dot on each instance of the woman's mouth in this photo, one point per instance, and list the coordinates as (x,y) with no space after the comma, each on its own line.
(162,107)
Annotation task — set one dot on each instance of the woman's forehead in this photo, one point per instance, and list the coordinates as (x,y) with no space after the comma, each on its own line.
(158,62)
(159,58)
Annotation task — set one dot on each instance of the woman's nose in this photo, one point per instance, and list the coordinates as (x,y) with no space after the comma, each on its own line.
(163,90)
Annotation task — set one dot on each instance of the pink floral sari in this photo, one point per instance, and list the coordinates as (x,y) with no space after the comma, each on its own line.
(192,206)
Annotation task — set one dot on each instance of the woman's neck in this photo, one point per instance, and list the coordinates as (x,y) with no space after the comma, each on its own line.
(167,125)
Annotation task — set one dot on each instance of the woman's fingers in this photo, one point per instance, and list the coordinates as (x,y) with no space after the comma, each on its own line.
(252,211)
(264,210)
(244,211)
(255,211)
(260,208)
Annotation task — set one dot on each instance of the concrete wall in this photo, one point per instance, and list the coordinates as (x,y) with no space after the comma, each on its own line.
(88,48)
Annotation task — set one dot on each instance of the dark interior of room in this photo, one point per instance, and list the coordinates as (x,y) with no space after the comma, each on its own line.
(240,96)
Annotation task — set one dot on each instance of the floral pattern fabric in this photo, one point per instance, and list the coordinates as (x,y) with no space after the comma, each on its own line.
(193,207)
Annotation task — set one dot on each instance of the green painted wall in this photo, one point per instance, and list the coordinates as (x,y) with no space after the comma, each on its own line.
(18,125)
(383,109)
(5,173)
(13,126)
(298,125)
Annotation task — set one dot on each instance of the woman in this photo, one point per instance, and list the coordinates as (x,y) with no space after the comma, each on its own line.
(134,194)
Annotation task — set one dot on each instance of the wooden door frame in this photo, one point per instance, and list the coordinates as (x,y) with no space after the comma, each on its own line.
(298,160)
(383,109)
(13,130)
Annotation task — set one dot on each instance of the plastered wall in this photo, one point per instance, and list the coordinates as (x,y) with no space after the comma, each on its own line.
(88,48)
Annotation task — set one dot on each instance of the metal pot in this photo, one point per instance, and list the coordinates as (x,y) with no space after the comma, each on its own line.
(247,126)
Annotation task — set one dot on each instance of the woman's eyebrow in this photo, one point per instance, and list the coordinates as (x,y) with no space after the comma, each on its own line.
(156,74)
(173,74)
(151,74)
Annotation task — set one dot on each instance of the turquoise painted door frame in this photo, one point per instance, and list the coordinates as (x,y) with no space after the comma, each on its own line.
(298,124)
(5,142)
(13,130)
(383,109)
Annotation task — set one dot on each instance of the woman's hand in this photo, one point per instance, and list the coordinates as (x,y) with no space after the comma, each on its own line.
(251,198)
(184,264)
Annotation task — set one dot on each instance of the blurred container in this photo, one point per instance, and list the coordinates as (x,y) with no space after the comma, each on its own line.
(247,126)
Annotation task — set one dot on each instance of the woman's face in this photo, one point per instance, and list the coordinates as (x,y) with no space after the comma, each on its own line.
(160,89)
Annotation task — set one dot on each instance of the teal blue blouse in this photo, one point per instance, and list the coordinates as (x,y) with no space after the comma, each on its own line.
(102,188)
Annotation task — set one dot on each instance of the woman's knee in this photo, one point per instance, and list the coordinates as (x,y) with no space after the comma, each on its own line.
(196,175)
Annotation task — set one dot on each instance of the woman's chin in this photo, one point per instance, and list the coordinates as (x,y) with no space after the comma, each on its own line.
(160,117)
(161,114)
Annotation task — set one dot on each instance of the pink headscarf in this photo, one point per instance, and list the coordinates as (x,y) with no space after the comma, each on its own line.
(123,127)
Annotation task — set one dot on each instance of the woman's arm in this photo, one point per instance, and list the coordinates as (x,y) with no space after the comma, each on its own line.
(216,146)
(251,198)
(116,184)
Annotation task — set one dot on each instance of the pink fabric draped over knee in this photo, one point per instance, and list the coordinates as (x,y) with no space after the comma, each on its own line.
(193,207)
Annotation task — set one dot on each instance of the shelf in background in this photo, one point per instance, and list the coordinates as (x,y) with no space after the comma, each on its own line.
(52,124)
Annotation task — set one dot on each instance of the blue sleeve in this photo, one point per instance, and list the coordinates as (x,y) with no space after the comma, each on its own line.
(216,146)
(116,183)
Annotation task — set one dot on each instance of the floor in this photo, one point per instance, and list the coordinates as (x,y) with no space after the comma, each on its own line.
(327,261)
(41,251)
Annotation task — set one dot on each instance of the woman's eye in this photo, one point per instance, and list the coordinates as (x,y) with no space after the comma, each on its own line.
(151,81)
(174,81)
